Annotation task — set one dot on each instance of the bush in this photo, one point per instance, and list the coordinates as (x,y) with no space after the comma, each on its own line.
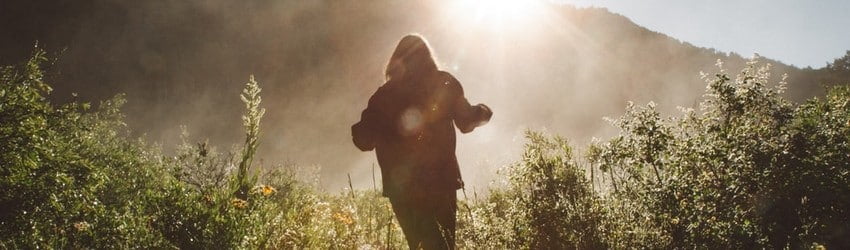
(548,203)
(71,178)
(748,171)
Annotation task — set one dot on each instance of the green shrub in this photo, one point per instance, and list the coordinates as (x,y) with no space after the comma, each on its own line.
(70,178)
(548,204)
(749,170)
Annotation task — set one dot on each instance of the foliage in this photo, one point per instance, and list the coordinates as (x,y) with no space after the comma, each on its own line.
(548,204)
(71,178)
(748,169)
(837,70)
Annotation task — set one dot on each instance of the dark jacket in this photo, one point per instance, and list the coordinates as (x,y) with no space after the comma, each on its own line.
(410,123)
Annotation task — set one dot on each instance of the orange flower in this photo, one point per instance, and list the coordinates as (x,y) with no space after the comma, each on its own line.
(344,218)
(239,203)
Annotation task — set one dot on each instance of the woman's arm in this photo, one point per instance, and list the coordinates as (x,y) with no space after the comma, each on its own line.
(466,116)
(363,132)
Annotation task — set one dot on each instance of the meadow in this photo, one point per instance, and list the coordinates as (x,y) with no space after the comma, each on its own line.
(746,169)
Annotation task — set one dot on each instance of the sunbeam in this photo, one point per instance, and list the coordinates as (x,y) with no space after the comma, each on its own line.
(496,15)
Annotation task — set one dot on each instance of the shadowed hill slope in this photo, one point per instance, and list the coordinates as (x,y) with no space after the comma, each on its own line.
(318,61)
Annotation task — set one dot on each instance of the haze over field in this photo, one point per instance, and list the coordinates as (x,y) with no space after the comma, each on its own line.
(550,66)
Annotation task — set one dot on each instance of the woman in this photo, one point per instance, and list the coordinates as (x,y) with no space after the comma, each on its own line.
(410,123)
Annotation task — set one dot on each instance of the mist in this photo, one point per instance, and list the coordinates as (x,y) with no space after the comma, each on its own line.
(185,62)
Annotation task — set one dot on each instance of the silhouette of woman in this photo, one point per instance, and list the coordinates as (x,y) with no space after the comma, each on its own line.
(410,123)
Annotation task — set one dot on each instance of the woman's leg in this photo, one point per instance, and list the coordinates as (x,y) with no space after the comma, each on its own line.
(446,217)
(439,221)
(435,221)
(407,218)
(428,223)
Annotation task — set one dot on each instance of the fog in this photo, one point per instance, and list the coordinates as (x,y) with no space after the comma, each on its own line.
(560,69)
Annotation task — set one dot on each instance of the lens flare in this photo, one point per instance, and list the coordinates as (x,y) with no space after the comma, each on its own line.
(499,14)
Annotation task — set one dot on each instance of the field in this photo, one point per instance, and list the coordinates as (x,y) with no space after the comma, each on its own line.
(747,169)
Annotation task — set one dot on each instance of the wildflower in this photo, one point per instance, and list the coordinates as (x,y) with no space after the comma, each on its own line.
(208,199)
(344,218)
(81,226)
(239,203)
(265,190)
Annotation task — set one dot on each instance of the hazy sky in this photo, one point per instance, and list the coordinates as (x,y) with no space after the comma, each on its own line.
(798,32)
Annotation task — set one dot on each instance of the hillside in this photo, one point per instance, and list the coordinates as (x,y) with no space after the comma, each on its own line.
(180,63)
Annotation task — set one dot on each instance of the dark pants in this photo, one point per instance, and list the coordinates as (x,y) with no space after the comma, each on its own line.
(427,223)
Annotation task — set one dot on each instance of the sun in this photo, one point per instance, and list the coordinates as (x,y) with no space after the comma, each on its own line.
(498,14)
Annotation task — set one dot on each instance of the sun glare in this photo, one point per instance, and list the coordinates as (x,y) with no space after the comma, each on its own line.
(498,14)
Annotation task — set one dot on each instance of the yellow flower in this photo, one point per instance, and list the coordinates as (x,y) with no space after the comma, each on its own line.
(81,226)
(239,203)
(265,190)
(674,221)
(268,190)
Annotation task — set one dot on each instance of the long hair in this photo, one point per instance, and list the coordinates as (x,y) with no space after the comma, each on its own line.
(412,57)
